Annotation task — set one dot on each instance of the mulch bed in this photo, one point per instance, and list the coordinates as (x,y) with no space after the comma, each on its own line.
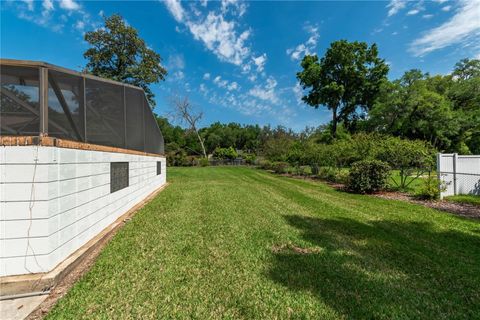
(460,209)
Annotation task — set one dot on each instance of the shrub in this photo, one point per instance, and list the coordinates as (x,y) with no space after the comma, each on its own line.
(412,158)
(250,158)
(430,189)
(315,169)
(327,173)
(305,170)
(203,162)
(342,176)
(368,176)
(279,167)
(225,153)
(265,164)
(291,170)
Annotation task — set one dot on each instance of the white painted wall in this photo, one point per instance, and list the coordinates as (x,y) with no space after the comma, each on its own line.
(54,200)
(460,174)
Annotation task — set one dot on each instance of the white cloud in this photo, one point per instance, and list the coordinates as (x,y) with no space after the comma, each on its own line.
(219,35)
(298,92)
(176,61)
(446,8)
(413,12)
(57,15)
(395,6)
(440,1)
(176,9)
(260,62)
(427,16)
(29,4)
(308,47)
(221,38)
(219,82)
(232,86)
(178,75)
(266,92)
(47,5)
(462,28)
(238,7)
(69,5)
(80,25)
(206,76)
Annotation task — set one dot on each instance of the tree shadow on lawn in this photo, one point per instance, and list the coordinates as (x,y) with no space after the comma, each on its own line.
(382,269)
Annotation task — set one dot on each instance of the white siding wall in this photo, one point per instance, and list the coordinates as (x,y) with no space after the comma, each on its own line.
(49,210)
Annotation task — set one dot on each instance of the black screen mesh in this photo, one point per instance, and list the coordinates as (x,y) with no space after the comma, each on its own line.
(153,136)
(19,105)
(79,109)
(105,113)
(135,127)
(65,106)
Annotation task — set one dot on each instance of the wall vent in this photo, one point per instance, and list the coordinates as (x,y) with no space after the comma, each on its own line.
(118,176)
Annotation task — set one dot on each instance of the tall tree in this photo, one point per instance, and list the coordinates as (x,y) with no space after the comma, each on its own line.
(346,80)
(185,112)
(464,92)
(118,53)
(413,107)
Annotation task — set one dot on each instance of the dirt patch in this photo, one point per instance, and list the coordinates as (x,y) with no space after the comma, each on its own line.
(289,248)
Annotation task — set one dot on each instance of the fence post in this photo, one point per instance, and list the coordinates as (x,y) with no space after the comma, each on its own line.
(439,158)
(455,158)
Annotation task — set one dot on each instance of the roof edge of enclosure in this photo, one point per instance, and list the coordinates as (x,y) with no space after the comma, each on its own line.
(41,99)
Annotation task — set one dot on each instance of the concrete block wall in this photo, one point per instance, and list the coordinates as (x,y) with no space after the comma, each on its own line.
(54,200)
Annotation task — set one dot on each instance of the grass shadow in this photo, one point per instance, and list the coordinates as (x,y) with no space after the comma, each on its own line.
(382,269)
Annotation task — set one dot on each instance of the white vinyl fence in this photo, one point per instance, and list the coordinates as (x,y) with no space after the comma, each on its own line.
(460,174)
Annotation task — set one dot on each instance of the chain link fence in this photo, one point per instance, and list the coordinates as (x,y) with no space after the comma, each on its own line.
(459,174)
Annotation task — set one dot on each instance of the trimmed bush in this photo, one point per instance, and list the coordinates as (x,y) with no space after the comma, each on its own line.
(327,173)
(225,153)
(250,158)
(305,171)
(279,167)
(368,176)
(431,188)
(203,162)
(265,164)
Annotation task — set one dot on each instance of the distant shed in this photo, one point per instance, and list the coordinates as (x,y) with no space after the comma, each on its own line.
(77,152)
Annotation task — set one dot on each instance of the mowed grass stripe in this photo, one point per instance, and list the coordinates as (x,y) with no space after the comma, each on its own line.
(240,243)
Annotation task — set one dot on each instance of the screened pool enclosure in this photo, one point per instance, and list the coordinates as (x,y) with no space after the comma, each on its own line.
(42,99)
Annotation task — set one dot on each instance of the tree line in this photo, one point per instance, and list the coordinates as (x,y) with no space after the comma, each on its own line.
(442,110)
(350,79)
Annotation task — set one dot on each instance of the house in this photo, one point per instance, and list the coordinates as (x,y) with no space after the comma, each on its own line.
(77,153)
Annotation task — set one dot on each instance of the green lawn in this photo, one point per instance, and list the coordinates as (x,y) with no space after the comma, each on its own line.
(243,243)
(414,184)
(470,199)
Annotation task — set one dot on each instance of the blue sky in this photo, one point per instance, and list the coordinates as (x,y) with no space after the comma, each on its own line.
(237,60)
